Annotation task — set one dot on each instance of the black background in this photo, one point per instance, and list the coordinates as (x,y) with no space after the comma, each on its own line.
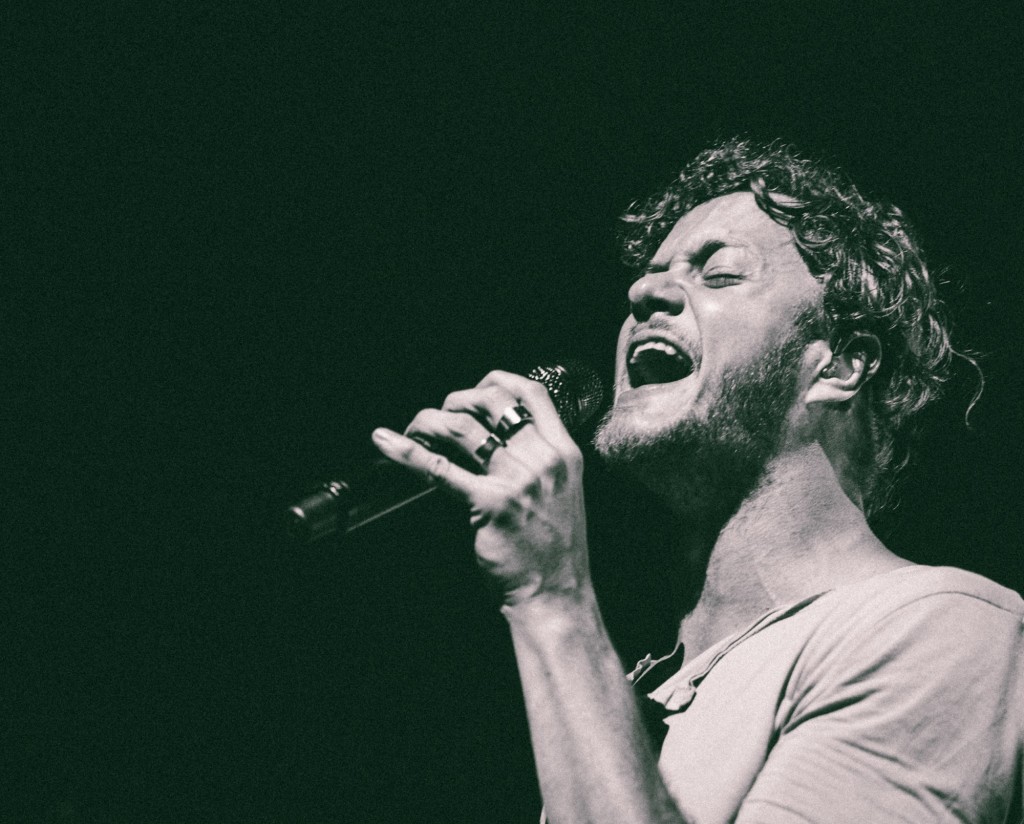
(244,234)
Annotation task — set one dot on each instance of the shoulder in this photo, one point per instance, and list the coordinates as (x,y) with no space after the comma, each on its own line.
(936,618)
(905,700)
(921,589)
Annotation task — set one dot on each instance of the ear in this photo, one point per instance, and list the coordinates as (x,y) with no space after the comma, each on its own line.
(841,374)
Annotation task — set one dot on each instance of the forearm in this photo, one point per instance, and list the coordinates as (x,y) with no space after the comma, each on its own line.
(594,761)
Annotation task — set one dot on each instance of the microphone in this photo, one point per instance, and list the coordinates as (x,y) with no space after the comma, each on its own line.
(343,506)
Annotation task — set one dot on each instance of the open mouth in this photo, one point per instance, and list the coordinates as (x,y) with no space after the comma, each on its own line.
(657,361)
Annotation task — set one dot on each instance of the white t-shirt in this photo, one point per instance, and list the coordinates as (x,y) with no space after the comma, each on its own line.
(899,698)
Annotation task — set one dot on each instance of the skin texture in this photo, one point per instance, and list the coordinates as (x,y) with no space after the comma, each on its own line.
(730,288)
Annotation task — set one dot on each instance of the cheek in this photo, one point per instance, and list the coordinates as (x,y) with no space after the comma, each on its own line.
(739,334)
(620,353)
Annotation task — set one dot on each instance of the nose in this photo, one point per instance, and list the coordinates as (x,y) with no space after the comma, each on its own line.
(656,292)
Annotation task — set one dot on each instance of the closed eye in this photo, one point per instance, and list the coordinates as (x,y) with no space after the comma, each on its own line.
(716,280)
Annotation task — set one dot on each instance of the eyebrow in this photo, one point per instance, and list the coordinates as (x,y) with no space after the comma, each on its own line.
(696,258)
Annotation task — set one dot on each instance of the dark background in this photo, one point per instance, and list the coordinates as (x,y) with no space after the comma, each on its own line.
(244,234)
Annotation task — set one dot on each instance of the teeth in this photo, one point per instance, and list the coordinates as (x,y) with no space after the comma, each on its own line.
(657,345)
(657,361)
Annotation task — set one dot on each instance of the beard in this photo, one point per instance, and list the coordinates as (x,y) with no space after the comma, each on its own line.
(716,458)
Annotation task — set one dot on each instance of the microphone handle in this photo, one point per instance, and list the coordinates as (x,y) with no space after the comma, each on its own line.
(345,506)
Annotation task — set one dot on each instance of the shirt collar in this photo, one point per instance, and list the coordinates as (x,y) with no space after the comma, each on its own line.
(675,689)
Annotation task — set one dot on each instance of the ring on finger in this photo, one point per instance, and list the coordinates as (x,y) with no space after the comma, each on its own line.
(512,420)
(486,449)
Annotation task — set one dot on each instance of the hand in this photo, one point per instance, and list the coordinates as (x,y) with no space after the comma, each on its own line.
(526,500)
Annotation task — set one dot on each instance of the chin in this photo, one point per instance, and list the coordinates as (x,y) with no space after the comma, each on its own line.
(644,420)
(628,436)
(705,439)
(693,464)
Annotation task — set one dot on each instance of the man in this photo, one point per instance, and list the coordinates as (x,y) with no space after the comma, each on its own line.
(783,332)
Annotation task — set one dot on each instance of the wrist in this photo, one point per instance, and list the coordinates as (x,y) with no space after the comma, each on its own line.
(568,608)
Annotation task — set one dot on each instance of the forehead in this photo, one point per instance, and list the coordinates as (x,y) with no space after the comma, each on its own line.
(734,220)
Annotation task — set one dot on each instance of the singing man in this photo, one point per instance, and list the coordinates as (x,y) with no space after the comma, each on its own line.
(784,333)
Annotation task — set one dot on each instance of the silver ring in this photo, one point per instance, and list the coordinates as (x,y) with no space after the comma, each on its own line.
(486,449)
(512,420)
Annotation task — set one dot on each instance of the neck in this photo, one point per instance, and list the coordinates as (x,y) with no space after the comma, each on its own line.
(795,534)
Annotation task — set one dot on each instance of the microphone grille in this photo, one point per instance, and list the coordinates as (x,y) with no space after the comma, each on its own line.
(575,388)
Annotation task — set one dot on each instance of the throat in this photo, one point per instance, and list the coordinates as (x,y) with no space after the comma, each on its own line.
(795,535)
(727,604)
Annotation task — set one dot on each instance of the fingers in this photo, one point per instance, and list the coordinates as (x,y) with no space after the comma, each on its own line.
(436,469)
(459,436)
(499,403)
(495,407)
(502,411)
(534,396)
(462,431)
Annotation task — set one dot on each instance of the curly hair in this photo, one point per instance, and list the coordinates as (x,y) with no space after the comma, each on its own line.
(867,257)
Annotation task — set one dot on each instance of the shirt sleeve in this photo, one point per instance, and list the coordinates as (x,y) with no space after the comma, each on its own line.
(913,715)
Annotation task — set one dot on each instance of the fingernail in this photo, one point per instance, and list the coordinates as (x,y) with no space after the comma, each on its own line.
(382,436)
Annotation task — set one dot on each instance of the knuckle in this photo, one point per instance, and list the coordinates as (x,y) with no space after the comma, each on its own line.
(505,383)
(532,489)
(495,377)
(421,422)
(453,400)
(518,494)
(559,473)
(459,427)
(551,463)
(535,391)
(560,465)
(509,506)
(497,398)
(406,452)
(506,518)
(437,468)
(483,398)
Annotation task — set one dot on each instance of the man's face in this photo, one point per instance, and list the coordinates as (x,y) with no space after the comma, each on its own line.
(712,346)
